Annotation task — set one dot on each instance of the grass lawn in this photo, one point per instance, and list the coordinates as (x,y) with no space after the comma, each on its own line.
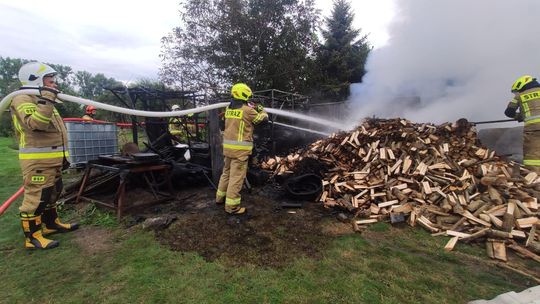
(383,265)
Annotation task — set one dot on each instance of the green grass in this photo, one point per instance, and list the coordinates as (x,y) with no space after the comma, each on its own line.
(92,215)
(380,227)
(388,265)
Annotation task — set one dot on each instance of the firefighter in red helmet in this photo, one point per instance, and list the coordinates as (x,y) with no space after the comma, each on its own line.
(89,113)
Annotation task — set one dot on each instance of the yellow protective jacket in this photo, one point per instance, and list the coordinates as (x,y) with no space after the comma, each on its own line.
(528,103)
(176,128)
(40,130)
(239,125)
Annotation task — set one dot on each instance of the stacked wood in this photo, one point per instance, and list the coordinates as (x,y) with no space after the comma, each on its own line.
(437,175)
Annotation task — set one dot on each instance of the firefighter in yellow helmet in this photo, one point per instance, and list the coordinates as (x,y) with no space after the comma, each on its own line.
(191,120)
(240,119)
(42,153)
(180,127)
(175,125)
(527,100)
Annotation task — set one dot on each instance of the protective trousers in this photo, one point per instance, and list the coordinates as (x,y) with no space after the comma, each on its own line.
(42,186)
(231,181)
(531,150)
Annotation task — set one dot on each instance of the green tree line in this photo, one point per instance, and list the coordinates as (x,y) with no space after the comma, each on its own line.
(269,44)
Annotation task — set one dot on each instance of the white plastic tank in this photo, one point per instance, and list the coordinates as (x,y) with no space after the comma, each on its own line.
(88,140)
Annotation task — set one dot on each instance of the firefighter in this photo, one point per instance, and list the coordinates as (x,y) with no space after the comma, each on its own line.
(42,154)
(181,127)
(90,113)
(240,119)
(190,125)
(175,125)
(527,99)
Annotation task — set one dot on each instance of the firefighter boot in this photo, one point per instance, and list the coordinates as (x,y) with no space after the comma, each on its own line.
(234,209)
(52,224)
(31,225)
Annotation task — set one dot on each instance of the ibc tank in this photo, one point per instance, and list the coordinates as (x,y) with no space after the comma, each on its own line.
(88,140)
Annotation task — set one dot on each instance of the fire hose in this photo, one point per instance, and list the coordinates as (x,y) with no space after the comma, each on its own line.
(6,101)
(492,121)
(10,200)
(4,104)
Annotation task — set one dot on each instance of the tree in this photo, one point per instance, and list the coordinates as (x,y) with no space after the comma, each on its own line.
(266,43)
(9,69)
(343,55)
(64,76)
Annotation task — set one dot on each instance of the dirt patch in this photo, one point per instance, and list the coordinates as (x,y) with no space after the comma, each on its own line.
(335,228)
(268,235)
(93,240)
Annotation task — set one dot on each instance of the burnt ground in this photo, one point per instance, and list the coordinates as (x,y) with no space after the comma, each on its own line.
(268,235)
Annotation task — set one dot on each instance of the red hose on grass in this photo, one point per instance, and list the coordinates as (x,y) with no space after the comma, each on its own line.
(10,200)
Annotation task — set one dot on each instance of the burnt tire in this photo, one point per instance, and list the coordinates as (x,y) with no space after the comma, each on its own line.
(305,187)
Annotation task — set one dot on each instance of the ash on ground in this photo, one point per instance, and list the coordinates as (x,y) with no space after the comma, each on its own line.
(268,235)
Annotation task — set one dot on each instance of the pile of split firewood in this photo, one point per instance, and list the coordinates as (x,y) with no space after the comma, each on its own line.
(434,176)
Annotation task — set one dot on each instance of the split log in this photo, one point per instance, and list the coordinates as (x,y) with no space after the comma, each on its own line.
(457,234)
(526,222)
(524,252)
(496,221)
(451,243)
(499,234)
(508,218)
(496,249)
(532,235)
(363,222)
(476,235)
(493,181)
(495,196)
(427,224)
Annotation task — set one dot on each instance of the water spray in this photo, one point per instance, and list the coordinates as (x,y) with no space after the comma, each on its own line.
(320,121)
(302,129)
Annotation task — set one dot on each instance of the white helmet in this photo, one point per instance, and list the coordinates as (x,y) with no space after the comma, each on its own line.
(32,73)
(175,107)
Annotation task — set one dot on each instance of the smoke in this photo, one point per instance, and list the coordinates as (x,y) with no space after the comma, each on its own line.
(449,59)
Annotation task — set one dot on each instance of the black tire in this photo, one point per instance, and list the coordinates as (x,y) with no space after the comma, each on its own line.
(305,187)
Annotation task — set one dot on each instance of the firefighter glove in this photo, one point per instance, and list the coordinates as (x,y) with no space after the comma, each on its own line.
(48,94)
(259,108)
(519,117)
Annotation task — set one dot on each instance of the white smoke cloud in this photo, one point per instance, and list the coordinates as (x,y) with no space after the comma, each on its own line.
(449,59)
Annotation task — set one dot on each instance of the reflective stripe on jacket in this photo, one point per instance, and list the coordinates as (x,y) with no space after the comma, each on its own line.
(39,129)
(239,126)
(43,153)
(529,103)
(175,127)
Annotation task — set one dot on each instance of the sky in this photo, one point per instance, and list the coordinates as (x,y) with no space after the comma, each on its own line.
(120,38)
(433,61)
(449,59)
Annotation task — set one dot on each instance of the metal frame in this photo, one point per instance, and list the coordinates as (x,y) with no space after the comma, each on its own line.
(282,100)
(154,99)
(124,171)
(277,99)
